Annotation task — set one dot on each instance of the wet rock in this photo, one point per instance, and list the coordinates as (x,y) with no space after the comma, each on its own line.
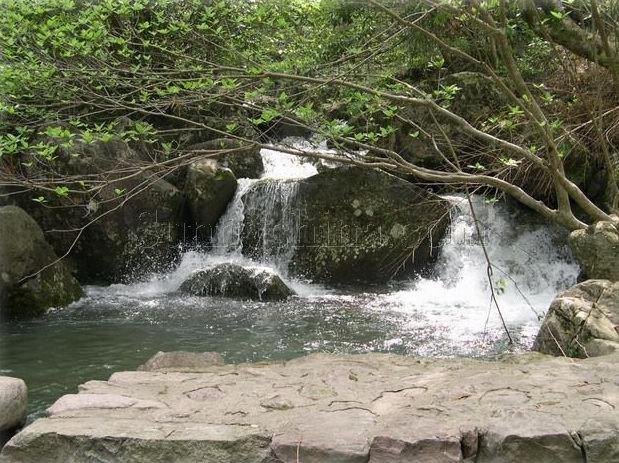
(235,281)
(243,161)
(597,250)
(131,225)
(208,188)
(348,225)
(32,279)
(398,409)
(182,361)
(582,321)
(13,403)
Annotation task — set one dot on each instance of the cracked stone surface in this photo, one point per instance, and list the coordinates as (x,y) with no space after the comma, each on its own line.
(375,408)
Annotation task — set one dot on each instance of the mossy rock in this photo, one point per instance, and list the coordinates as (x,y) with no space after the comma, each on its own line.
(131,228)
(351,225)
(31,278)
(208,189)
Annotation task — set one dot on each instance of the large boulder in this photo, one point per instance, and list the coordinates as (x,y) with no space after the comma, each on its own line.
(13,403)
(582,321)
(597,250)
(243,161)
(32,278)
(127,230)
(345,225)
(235,281)
(208,189)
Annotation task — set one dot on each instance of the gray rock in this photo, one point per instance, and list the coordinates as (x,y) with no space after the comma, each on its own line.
(235,281)
(13,403)
(24,252)
(349,225)
(429,449)
(599,440)
(181,361)
(136,232)
(582,321)
(71,402)
(208,188)
(597,250)
(243,161)
(321,408)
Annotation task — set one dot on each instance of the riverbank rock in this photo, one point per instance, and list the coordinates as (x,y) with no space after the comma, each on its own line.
(13,404)
(243,161)
(131,224)
(346,225)
(597,250)
(182,361)
(582,321)
(235,281)
(375,408)
(208,189)
(25,293)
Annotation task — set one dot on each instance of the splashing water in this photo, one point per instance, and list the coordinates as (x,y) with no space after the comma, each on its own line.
(121,326)
(529,266)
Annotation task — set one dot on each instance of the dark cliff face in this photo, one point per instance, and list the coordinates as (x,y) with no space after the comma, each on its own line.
(32,279)
(129,229)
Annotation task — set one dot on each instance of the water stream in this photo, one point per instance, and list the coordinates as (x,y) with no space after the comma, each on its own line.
(449,314)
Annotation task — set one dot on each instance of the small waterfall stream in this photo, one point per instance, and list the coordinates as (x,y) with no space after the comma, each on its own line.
(530,265)
(448,314)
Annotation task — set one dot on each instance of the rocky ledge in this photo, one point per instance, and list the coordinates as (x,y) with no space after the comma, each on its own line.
(341,409)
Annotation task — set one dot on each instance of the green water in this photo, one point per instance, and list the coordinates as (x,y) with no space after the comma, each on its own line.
(107,332)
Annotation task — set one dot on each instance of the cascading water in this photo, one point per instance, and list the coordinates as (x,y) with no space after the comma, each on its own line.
(227,240)
(272,199)
(529,266)
(119,327)
(276,189)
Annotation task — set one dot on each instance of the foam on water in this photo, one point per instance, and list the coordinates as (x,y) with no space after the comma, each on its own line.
(529,267)
(529,264)
(281,172)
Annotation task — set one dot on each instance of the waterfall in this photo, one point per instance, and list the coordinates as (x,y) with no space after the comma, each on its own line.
(275,225)
(227,239)
(530,265)
(271,199)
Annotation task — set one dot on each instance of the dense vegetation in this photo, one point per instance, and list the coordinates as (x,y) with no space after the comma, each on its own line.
(482,94)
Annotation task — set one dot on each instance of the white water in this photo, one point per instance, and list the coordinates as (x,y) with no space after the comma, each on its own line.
(281,170)
(529,266)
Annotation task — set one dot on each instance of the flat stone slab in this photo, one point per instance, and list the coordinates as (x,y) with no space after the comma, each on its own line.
(374,408)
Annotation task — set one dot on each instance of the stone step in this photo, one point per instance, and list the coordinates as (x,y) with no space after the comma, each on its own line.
(375,408)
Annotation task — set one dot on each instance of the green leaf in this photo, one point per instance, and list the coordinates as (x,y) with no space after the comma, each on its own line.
(477,166)
(62,191)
